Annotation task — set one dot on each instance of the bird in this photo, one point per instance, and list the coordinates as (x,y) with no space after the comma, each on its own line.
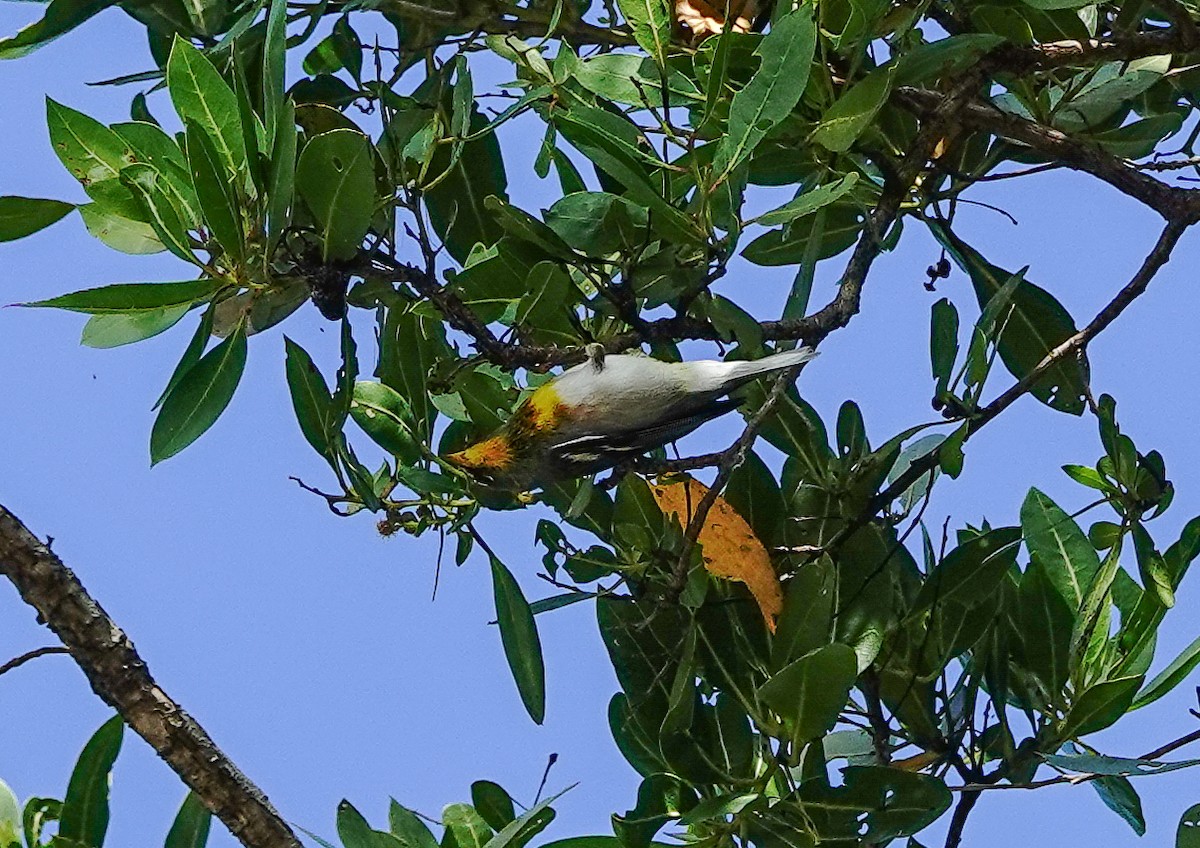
(609,409)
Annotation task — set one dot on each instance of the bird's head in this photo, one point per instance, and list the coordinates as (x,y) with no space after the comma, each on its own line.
(490,459)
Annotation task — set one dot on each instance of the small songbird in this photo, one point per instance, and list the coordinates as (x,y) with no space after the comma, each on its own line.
(609,409)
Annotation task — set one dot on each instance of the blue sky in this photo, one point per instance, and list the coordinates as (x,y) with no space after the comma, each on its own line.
(309,647)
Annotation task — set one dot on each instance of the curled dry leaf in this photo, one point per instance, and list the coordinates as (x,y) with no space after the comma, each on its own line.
(702,19)
(731,550)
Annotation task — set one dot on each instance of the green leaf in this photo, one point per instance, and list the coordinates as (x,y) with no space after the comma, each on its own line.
(133,297)
(518,832)
(191,354)
(493,803)
(629,78)
(61,17)
(165,217)
(1187,834)
(944,57)
(1113,86)
(1046,627)
(282,179)
(808,201)
(808,240)
(1032,325)
(1169,677)
(336,178)
(84,816)
(191,825)
(456,202)
(386,417)
(23,216)
(199,398)
(970,572)
(786,54)
(625,163)
(355,832)
(202,97)
(1114,766)
(114,330)
(943,342)
(651,22)
(274,70)
(518,633)
(1100,706)
(547,300)
(845,120)
(216,196)
(521,225)
(408,827)
(118,232)
(310,397)
(810,693)
(596,223)
(10,817)
(466,826)
(38,812)
(90,151)
(1060,545)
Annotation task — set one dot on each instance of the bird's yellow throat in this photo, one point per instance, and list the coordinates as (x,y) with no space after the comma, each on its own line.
(541,412)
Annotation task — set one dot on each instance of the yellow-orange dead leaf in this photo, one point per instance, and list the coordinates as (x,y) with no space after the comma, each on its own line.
(731,550)
(702,18)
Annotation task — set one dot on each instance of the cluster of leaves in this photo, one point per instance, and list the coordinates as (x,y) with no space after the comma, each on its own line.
(967,662)
(81,819)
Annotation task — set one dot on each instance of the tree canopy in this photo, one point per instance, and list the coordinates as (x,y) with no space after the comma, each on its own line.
(802,661)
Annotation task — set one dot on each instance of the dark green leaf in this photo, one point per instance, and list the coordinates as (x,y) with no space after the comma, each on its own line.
(61,17)
(199,398)
(809,693)
(191,825)
(1033,324)
(845,120)
(84,816)
(774,90)
(808,202)
(943,342)
(215,193)
(1170,677)
(522,648)
(23,216)
(336,178)
(133,297)
(456,201)
(1187,835)
(282,177)
(408,827)
(310,397)
(1100,706)
(1060,545)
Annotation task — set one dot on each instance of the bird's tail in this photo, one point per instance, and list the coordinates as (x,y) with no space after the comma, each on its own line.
(740,372)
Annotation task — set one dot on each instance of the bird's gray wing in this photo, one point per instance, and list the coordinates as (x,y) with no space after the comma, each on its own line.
(594,452)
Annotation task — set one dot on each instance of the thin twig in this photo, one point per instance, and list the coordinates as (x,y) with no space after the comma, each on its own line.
(16,662)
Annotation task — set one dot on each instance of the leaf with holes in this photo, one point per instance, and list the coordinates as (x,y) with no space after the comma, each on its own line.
(336,178)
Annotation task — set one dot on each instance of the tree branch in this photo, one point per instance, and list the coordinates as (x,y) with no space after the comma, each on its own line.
(1072,346)
(17,662)
(1169,201)
(120,677)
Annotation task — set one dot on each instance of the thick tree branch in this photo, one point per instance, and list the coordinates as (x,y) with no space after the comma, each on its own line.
(120,677)
(1169,201)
